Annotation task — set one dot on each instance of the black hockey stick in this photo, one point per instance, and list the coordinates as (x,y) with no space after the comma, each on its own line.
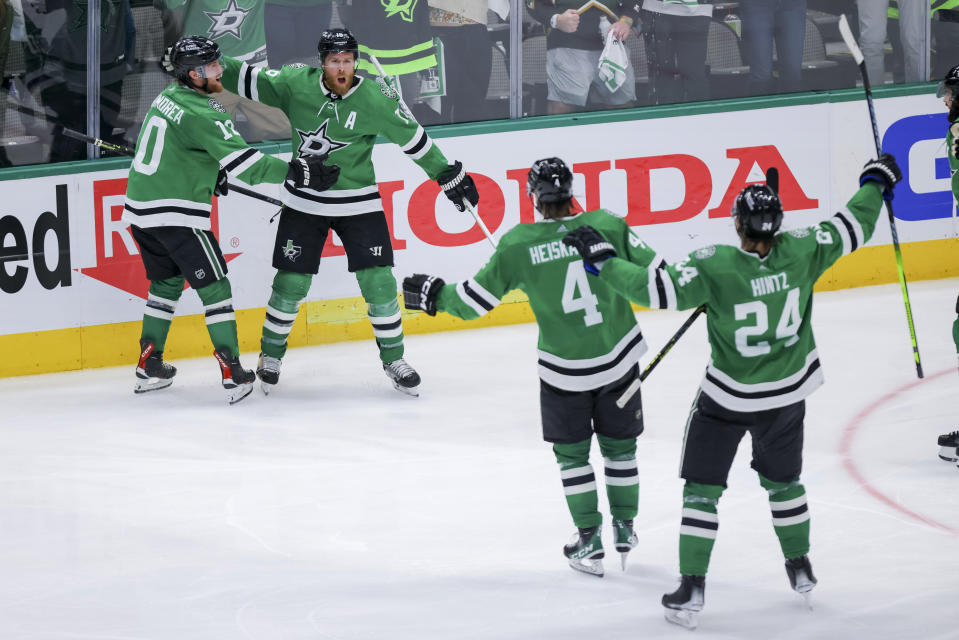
(127,151)
(860,60)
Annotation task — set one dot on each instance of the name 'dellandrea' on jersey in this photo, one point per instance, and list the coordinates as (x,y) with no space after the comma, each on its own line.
(764,285)
(168,108)
(550,251)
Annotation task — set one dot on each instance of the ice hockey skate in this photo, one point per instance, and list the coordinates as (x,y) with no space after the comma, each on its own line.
(237,381)
(683,605)
(801,577)
(626,539)
(152,372)
(585,551)
(403,377)
(268,371)
(949,446)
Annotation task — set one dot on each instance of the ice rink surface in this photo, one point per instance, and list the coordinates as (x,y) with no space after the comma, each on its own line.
(337,508)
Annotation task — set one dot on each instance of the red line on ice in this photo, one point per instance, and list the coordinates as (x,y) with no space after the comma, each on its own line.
(845,450)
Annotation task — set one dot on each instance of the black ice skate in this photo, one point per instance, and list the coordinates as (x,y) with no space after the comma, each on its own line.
(625,538)
(585,551)
(152,372)
(268,371)
(237,381)
(683,605)
(949,446)
(403,377)
(801,577)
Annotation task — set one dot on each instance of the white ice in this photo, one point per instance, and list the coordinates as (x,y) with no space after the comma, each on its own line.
(337,508)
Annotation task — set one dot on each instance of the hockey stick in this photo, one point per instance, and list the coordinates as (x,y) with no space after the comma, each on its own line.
(127,151)
(469,207)
(860,60)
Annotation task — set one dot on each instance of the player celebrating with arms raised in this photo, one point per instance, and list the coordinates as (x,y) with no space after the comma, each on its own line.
(589,349)
(758,299)
(333,111)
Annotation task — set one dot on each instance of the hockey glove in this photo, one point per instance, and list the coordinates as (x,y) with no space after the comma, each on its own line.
(309,172)
(420,292)
(222,185)
(593,248)
(458,186)
(885,171)
(167,60)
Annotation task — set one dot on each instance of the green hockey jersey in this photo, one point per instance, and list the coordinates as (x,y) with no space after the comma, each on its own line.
(758,310)
(588,334)
(185,138)
(346,128)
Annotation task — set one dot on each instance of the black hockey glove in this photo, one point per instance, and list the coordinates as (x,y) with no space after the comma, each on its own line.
(222,185)
(458,186)
(593,248)
(309,172)
(420,292)
(885,171)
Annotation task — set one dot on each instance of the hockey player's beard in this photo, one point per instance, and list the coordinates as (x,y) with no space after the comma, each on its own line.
(339,83)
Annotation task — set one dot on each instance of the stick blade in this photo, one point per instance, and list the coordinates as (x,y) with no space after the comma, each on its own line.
(850,40)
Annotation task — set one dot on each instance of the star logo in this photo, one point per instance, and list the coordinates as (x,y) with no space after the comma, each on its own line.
(229,21)
(317,143)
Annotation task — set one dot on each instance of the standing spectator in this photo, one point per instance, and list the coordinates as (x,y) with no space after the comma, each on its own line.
(765,21)
(573,47)
(948,89)
(676,32)
(338,113)
(291,27)
(945,34)
(186,149)
(589,350)
(467,57)
(763,363)
(237,28)
(912,18)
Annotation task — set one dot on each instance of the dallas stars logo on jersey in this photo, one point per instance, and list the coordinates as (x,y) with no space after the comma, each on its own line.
(403,7)
(227,22)
(317,143)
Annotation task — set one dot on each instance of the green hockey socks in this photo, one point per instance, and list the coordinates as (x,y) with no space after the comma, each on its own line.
(622,476)
(161,305)
(217,301)
(288,290)
(579,483)
(787,501)
(697,531)
(378,287)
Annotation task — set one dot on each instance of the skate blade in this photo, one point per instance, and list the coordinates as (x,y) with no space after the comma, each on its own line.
(948,454)
(266,387)
(410,391)
(237,393)
(594,568)
(142,386)
(683,617)
(807,599)
(622,559)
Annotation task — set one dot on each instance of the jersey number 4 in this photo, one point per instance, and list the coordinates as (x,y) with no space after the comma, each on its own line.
(586,300)
(786,328)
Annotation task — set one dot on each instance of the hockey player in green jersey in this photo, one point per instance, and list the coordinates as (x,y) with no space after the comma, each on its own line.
(589,349)
(333,111)
(948,88)
(186,149)
(758,299)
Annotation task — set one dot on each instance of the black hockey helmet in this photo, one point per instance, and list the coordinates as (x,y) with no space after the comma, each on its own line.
(759,211)
(951,81)
(337,41)
(193,53)
(551,180)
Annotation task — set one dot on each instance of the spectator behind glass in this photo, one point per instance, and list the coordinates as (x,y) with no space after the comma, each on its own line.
(764,21)
(873,18)
(461,26)
(236,26)
(573,47)
(292,28)
(675,32)
(56,62)
(945,33)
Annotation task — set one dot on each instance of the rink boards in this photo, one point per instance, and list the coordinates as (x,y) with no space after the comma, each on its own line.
(73,289)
